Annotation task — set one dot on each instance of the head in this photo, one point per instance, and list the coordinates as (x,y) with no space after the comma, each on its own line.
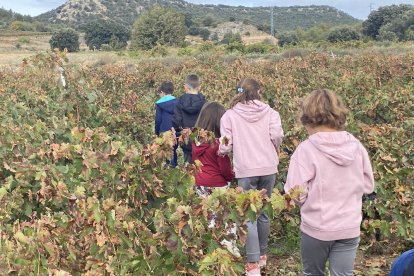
(192,84)
(166,88)
(247,90)
(209,118)
(323,108)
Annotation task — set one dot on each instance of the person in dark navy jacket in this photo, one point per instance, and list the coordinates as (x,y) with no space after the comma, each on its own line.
(187,110)
(164,113)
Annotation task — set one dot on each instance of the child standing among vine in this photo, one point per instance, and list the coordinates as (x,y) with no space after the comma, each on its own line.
(164,112)
(188,109)
(253,131)
(333,170)
(216,171)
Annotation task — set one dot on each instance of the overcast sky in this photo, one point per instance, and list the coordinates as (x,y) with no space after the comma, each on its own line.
(357,8)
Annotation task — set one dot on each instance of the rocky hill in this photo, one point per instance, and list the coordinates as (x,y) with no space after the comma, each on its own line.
(79,12)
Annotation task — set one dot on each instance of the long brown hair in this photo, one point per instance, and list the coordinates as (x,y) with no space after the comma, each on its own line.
(247,90)
(209,118)
(323,107)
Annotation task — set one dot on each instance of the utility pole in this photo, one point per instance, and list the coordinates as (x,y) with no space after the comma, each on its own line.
(370,6)
(272,24)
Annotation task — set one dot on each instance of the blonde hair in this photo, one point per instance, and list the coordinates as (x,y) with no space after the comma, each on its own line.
(247,90)
(323,107)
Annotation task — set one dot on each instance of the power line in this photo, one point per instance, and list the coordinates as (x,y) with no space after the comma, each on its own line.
(272,23)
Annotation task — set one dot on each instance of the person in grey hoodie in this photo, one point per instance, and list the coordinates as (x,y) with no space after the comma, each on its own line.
(187,109)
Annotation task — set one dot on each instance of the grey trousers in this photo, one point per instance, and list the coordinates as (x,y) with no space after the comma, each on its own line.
(257,231)
(341,255)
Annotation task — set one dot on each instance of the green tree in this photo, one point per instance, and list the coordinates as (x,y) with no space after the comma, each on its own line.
(230,38)
(161,26)
(381,17)
(400,28)
(106,32)
(204,33)
(208,21)
(288,39)
(65,38)
(21,26)
(343,34)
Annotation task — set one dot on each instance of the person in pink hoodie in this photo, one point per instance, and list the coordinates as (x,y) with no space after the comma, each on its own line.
(253,131)
(332,171)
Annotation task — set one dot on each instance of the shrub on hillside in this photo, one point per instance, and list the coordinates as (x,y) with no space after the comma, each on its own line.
(343,34)
(402,27)
(381,17)
(162,26)
(230,37)
(65,39)
(21,26)
(103,32)
(288,39)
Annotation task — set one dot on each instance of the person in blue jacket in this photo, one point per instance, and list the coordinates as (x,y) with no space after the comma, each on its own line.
(164,113)
(403,265)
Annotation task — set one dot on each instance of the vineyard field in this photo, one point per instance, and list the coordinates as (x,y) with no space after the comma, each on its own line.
(84,189)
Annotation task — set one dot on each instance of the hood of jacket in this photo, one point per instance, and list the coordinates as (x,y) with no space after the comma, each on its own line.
(201,149)
(167,103)
(252,111)
(192,103)
(340,147)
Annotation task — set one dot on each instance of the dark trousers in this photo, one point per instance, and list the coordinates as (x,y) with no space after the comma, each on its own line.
(188,157)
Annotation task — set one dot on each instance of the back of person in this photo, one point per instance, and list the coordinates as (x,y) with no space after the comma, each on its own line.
(216,171)
(187,110)
(331,170)
(253,131)
(190,106)
(164,114)
(334,160)
(164,108)
(256,133)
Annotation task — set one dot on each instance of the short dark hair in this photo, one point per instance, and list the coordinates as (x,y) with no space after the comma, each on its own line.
(193,81)
(167,87)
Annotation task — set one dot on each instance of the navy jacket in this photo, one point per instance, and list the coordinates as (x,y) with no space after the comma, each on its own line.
(164,113)
(186,112)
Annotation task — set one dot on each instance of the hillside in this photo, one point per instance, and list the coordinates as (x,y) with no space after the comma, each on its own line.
(79,12)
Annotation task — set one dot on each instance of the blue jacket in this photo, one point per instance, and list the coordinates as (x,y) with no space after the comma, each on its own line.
(164,113)
(403,265)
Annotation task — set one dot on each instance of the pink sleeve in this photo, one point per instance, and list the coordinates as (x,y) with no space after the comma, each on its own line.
(299,175)
(275,128)
(225,131)
(368,174)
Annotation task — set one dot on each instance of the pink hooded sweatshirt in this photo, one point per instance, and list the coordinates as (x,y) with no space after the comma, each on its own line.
(334,171)
(255,132)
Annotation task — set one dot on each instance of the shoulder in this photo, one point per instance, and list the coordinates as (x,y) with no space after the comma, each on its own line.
(303,148)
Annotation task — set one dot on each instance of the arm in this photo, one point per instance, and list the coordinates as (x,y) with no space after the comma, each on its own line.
(158,119)
(177,120)
(368,174)
(226,139)
(276,131)
(226,169)
(299,176)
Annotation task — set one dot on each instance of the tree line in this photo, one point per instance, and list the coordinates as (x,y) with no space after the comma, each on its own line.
(166,26)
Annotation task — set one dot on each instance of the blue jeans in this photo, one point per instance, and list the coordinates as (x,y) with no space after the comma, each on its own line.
(257,231)
(174,161)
